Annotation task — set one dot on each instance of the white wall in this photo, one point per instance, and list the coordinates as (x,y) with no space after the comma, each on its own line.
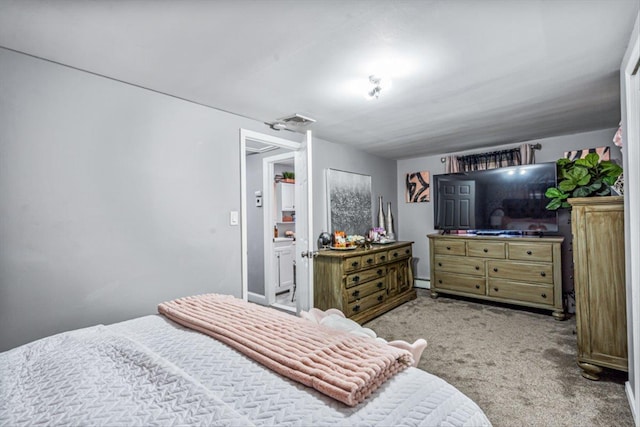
(112,199)
(341,157)
(416,219)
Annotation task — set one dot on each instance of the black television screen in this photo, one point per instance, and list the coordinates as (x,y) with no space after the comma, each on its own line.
(509,199)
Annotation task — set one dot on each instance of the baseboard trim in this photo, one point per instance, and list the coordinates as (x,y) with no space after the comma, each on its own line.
(632,403)
(421,283)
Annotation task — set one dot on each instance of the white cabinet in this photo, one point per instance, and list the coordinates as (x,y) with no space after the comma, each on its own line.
(286,197)
(283,265)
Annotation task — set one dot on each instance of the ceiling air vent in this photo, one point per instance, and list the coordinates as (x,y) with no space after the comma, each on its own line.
(297,120)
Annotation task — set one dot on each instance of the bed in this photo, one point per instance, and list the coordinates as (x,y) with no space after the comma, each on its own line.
(154,371)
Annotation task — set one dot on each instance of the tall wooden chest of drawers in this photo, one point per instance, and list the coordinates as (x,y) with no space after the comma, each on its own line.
(599,278)
(364,283)
(516,270)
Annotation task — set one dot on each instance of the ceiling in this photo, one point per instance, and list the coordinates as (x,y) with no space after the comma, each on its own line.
(466,74)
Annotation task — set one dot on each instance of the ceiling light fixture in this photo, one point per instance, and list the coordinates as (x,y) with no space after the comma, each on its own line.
(376,87)
(376,84)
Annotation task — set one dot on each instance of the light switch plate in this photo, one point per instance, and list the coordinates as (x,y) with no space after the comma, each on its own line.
(233,218)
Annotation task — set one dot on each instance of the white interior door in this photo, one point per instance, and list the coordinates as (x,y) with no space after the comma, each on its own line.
(304,225)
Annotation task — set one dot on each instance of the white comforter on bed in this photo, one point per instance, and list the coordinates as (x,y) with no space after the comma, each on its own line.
(151,371)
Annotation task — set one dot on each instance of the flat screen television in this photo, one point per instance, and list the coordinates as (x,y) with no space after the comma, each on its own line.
(508,200)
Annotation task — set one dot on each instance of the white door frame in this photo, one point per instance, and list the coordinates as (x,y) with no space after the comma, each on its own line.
(630,87)
(245,135)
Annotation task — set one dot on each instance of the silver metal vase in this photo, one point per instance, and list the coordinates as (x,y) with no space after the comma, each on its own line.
(389,223)
(380,213)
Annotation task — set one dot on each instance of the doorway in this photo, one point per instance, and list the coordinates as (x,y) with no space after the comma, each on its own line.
(261,157)
(279,230)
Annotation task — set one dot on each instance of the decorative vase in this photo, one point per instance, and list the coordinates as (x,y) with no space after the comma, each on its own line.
(380,213)
(389,223)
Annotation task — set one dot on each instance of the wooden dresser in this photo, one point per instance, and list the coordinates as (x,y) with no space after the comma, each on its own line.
(597,224)
(364,283)
(516,270)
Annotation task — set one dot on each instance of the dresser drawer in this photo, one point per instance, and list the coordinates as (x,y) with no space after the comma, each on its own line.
(484,249)
(365,303)
(519,291)
(449,247)
(522,271)
(454,264)
(352,263)
(364,276)
(368,260)
(530,251)
(368,288)
(461,283)
(399,253)
(381,257)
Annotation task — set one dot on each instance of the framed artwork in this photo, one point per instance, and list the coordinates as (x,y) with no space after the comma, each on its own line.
(603,152)
(349,202)
(417,187)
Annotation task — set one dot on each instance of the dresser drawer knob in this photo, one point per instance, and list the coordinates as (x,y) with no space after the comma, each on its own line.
(369,261)
(395,254)
(382,258)
(543,274)
(477,267)
(495,289)
(380,285)
(356,308)
(439,264)
(356,278)
(354,264)
(356,294)
(407,251)
(477,286)
(440,281)
(485,250)
(529,252)
(380,297)
(380,271)
(495,269)
(448,248)
(543,295)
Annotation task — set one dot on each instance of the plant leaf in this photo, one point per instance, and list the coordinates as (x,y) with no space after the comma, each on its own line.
(610,169)
(595,185)
(553,204)
(553,192)
(578,174)
(584,180)
(591,160)
(610,180)
(582,192)
(567,185)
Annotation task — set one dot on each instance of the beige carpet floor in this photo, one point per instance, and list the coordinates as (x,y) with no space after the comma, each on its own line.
(517,364)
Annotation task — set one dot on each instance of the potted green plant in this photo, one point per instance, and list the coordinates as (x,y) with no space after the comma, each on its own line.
(288,177)
(586,177)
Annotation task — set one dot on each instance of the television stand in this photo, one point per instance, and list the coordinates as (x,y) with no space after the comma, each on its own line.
(513,269)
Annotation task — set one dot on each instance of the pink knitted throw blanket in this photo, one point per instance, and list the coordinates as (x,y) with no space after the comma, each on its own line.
(343,366)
